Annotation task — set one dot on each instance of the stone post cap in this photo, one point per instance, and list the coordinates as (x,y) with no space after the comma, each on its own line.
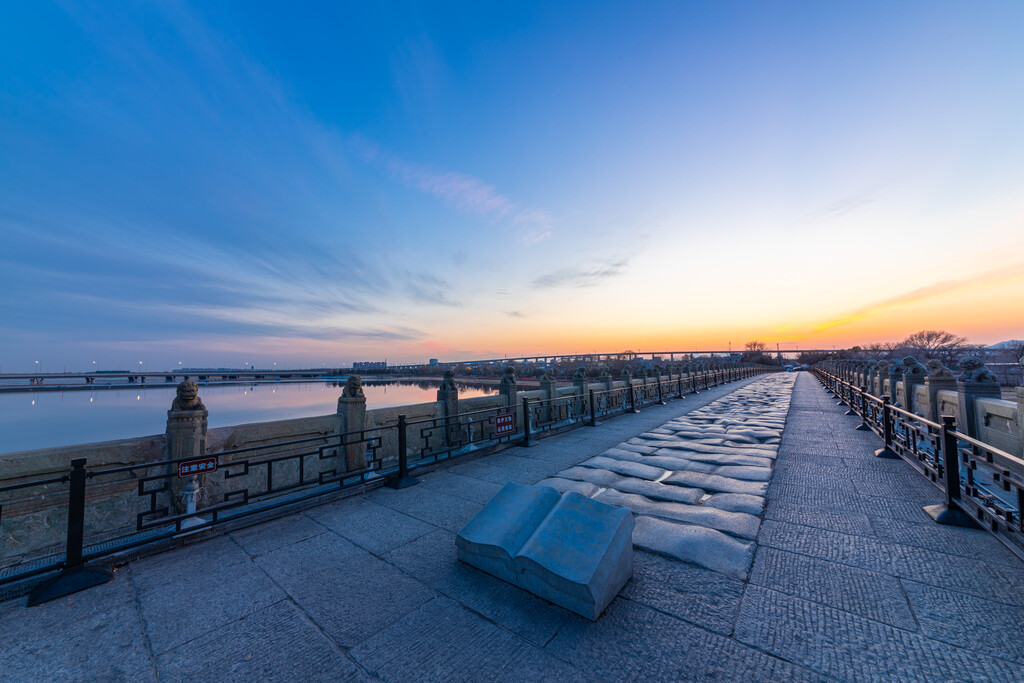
(938,371)
(973,369)
(448,383)
(913,367)
(187,397)
(353,389)
(508,376)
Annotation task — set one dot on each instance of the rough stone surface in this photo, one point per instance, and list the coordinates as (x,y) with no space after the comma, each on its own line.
(697,482)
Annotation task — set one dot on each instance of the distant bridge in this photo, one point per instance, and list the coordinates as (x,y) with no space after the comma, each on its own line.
(270,375)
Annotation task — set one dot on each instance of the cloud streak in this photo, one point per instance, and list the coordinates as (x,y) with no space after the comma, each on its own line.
(580,278)
(1012,272)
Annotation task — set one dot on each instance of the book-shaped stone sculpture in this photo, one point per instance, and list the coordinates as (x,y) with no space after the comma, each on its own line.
(572,550)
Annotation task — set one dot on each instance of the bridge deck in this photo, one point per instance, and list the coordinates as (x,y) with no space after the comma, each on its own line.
(849,579)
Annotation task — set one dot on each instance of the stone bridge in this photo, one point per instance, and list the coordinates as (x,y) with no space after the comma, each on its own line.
(772,544)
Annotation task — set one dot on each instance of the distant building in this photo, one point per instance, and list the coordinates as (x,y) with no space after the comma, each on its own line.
(433,361)
(370,365)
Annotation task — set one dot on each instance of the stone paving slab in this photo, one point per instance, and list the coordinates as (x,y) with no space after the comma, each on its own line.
(850,580)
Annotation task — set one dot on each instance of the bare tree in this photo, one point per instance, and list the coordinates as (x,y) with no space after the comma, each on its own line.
(939,344)
(756,346)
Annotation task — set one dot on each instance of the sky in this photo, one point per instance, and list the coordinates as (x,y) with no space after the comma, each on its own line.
(320,183)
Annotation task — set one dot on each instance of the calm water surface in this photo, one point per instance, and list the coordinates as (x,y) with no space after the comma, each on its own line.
(42,419)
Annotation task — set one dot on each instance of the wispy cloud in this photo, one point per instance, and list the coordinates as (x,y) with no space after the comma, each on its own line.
(846,205)
(535,226)
(429,289)
(1008,273)
(460,191)
(581,277)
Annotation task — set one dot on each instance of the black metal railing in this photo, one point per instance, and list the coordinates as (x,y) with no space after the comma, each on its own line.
(983,485)
(244,482)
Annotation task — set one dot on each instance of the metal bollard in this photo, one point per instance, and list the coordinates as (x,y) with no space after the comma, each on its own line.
(632,398)
(661,399)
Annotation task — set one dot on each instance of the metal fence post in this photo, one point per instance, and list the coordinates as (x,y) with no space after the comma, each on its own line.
(632,399)
(863,426)
(950,512)
(75,575)
(403,479)
(886,451)
(850,398)
(661,399)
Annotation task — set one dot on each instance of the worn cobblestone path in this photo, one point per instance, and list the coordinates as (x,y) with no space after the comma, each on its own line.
(696,484)
(849,580)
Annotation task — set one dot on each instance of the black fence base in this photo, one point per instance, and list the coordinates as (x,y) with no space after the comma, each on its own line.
(593,423)
(402,482)
(851,411)
(68,582)
(950,516)
(862,428)
(886,453)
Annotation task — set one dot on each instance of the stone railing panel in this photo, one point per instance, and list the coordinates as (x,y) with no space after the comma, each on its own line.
(997,424)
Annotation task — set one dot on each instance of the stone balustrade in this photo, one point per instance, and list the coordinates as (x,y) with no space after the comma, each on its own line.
(33,522)
(972,395)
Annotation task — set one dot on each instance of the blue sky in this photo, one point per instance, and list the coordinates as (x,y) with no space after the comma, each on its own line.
(328,182)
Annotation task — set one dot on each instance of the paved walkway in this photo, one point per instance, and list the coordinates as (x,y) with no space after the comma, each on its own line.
(849,580)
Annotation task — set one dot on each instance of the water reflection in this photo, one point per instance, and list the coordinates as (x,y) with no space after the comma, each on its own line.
(60,418)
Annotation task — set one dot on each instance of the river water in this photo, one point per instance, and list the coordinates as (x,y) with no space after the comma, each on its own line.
(43,419)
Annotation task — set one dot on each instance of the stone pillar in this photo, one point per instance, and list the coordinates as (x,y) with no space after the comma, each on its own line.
(870,374)
(581,384)
(975,381)
(508,386)
(895,381)
(549,385)
(882,374)
(448,405)
(186,438)
(914,375)
(1020,412)
(351,417)
(606,378)
(940,378)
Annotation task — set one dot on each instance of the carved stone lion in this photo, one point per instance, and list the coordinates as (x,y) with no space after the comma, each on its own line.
(974,370)
(626,371)
(353,387)
(448,383)
(187,397)
(508,376)
(936,370)
(581,373)
(913,368)
(895,367)
(548,376)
